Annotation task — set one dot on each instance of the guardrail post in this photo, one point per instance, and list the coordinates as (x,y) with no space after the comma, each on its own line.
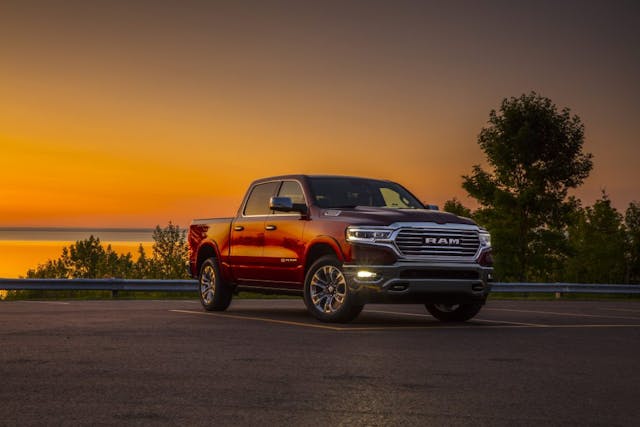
(114,294)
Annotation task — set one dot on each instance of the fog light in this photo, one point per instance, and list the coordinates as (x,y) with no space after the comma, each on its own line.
(364,274)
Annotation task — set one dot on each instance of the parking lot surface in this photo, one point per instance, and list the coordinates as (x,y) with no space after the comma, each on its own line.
(266,362)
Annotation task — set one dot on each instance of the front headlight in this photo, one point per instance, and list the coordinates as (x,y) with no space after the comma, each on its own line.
(367,234)
(485,239)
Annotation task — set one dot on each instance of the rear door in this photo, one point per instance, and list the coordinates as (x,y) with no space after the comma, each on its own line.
(248,234)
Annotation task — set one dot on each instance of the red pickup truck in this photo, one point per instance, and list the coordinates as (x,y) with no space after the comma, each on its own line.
(341,242)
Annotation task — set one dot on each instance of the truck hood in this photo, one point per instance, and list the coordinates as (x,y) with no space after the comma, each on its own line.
(365,215)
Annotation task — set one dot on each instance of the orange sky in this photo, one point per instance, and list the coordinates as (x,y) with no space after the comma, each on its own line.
(137,113)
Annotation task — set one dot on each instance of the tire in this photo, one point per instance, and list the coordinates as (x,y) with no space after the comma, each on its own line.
(215,295)
(326,293)
(453,312)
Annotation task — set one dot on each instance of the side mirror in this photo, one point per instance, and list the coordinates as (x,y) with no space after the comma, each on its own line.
(285,204)
(281,204)
(431,207)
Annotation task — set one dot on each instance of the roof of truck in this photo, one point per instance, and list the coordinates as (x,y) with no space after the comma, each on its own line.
(297,176)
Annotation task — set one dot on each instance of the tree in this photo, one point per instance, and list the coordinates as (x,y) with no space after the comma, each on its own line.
(632,222)
(599,242)
(85,259)
(142,266)
(455,207)
(535,156)
(88,258)
(170,253)
(52,269)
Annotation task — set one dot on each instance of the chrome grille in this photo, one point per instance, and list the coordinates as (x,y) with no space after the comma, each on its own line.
(421,242)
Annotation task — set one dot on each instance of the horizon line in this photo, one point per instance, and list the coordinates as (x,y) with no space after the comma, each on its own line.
(62,228)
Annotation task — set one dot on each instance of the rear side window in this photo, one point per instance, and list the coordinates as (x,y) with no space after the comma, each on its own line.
(258,202)
(293,190)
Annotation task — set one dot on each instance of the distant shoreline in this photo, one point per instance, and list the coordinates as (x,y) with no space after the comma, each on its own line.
(75,234)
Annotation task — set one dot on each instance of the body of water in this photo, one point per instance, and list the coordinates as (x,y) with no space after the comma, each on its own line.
(23,248)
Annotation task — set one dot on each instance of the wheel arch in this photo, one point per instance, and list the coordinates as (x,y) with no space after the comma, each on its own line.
(206,250)
(320,248)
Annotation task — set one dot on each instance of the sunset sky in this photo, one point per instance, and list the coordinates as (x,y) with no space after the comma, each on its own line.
(135,113)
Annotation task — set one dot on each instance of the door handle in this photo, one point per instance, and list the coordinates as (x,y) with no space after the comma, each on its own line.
(270,227)
(238,228)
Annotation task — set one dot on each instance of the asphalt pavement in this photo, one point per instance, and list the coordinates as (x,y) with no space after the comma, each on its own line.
(267,362)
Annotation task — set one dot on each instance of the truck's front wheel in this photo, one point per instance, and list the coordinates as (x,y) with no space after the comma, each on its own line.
(453,312)
(326,293)
(215,295)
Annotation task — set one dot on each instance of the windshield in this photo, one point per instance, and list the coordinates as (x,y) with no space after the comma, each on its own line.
(337,192)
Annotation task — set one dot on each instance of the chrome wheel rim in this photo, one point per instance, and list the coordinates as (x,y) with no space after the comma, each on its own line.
(207,284)
(328,289)
(447,308)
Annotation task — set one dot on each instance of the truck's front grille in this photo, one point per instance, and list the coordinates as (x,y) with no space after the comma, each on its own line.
(437,242)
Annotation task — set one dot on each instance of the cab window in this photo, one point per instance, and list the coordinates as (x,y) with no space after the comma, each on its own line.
(292,190)
(258,201)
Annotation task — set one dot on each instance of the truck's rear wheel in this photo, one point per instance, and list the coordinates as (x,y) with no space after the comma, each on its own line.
(215,295)
(326,293)
(453,312)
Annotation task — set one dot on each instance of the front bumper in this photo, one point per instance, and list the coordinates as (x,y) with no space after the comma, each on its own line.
(417,282)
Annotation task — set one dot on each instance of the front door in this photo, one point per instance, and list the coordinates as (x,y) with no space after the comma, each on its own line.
(284,245)
(248,234)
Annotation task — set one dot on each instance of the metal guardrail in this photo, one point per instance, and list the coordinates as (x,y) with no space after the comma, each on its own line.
(566,288)
(146,285)
(113,285)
